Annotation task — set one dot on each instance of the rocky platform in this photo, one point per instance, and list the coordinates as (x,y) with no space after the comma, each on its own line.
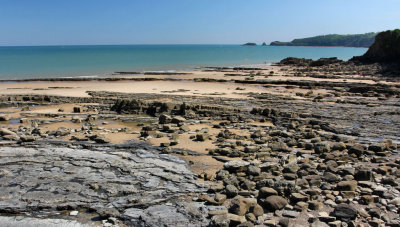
(307,152)
(138,186)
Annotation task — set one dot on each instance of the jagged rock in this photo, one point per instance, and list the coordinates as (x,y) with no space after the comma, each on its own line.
(77,109)
(239,206)
(164,119)
(4,117)
(345,212)
(315,205)
(357,149)
(331,177)
(265,192)
(219,199)
(257,210)
(290,213)
(319,224)
(339,146)
(76,120)
(62,131)
(298,197)
(377,147)
(347,185)
(202,136)
(26,138)
(291,168)
(222,220)
(321,148)
(296,61)
(363,175)
(108,212)
(279,147)
(235,220)
(236,166)
(178,120)
(101,139)
(231,191)
(253,170)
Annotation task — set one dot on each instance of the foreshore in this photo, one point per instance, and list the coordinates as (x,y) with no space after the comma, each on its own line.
(223,82)
(287,145)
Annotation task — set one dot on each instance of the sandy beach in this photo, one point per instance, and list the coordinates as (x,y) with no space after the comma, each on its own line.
(190,84)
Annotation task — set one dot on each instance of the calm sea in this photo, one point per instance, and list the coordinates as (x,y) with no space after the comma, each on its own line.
(103,60)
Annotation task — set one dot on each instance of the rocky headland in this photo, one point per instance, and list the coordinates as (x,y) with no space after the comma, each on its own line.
(354,40)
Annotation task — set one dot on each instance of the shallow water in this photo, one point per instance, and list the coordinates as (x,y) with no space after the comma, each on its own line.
(92,61)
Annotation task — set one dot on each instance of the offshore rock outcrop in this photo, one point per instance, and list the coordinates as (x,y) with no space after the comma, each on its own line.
(156,108)
(309,62)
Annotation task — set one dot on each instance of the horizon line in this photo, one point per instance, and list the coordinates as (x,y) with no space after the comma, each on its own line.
(144,44)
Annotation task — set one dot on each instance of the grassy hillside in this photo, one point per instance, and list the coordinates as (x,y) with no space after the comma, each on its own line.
(358,40)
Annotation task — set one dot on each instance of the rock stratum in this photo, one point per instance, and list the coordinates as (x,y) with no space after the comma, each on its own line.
(125,183)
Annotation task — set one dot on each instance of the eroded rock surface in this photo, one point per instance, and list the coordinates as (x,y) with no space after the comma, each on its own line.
(60,178)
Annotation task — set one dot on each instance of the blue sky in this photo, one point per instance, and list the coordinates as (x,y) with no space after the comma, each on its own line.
(69,22)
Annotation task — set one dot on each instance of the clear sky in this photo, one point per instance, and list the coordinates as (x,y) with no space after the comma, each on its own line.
(69,22)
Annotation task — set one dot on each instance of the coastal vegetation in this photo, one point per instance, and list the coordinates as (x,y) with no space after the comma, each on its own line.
(357,40)
(250,44)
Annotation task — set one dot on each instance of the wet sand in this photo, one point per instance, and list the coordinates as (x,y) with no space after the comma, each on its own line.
(184,84)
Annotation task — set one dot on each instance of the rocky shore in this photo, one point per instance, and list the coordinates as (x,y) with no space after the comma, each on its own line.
(318,148)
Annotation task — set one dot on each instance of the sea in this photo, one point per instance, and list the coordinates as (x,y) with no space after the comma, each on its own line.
(25,62)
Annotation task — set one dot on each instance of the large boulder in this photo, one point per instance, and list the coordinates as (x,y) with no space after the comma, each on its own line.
(178,120)
(274,202)
(345,212)
(347,185)
(357,149)
(363,175)
(325,61)
(164,119)
(239,206)
(236,166)
(296,61)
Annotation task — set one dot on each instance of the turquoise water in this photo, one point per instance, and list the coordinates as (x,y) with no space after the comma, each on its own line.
(66,61)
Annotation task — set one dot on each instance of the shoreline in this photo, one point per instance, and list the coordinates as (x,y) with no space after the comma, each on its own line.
(316,46)
(237,82)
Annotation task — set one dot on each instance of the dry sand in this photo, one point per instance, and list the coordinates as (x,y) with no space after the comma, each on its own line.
(79,89)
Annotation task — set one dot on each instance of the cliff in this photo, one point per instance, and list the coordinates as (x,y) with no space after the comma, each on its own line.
(385,49)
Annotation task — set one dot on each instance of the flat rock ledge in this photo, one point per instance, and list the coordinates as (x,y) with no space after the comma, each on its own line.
(138,186)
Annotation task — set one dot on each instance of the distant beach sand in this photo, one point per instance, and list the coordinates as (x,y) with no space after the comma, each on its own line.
(167,84)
